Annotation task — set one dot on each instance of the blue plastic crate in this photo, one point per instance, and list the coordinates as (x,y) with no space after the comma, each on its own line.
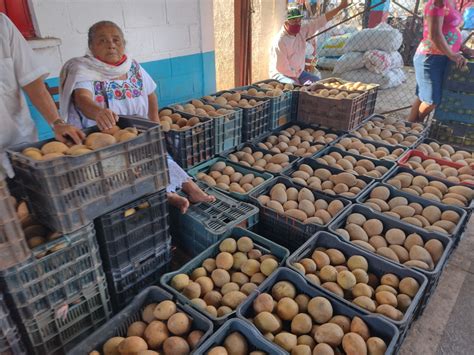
(255,340)
(10,342)
(124,285)
(124,240)
(459,79)
(377,266)
(205,168)
(50,279)
(456,106)
(315,165)
(260,243)
(423,202)
(207,222)
(285,230)
(432,275)
(402,169)
(377,325)
(385,163)
(118,325)
(292,158)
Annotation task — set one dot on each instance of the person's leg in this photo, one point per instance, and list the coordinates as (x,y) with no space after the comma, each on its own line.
(177,201)
(179,179)
(307,78)
(413,116)
(429,72)
(195,193)
(284,79)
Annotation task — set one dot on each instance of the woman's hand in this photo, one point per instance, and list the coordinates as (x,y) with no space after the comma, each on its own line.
(458,59)
(106,118)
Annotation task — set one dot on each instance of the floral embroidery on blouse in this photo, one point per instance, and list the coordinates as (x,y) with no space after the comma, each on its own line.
(130,88)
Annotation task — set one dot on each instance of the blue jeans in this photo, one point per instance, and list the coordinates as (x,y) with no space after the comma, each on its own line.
(429,72)
(303,78)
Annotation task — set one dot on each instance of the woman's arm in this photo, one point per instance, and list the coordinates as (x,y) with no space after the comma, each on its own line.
(153,114)
(42,100)
(104,117)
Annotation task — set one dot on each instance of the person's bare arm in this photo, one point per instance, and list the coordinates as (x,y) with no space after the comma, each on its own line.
(42,100)
(153,108)
(435,33)
(331,14)
(104,117)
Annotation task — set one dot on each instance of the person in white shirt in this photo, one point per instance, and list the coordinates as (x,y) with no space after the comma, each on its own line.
(20,71)
(287,59)
(98,87)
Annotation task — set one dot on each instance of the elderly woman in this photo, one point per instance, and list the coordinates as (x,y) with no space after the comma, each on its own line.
(441,43)
(105,83)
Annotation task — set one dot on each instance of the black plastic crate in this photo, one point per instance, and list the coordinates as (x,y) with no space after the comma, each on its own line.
(376,144)
(53,334)
(389,165)
(124,286)
(302,125)
(391,125)
(193,145)
(280,106)
(424,203)
(377,266)
(285,230)
(255,120)
(207,222)
(227,127)
(402,169)
(293,96)
(118,325)
(124,239)
(292,158)
(432,275)
(46,282)
(315,165)
(13,246)
(255,340)
(10,342)
(67,193)
(378,326)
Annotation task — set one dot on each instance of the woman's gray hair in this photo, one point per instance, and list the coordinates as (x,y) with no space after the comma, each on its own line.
(93,29)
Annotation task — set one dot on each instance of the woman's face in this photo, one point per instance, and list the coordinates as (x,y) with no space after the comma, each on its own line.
(108,44)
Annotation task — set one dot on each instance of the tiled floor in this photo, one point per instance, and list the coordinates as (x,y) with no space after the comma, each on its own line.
(447,324)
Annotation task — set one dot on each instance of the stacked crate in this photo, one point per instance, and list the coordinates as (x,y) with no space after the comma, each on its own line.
(135,245)
(59,295)
(453,118)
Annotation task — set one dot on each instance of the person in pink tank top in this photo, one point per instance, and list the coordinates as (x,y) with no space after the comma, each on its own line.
(441,42)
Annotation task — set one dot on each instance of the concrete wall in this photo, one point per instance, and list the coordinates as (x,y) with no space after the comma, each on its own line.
(173,39)
(224,43)
(267,19)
